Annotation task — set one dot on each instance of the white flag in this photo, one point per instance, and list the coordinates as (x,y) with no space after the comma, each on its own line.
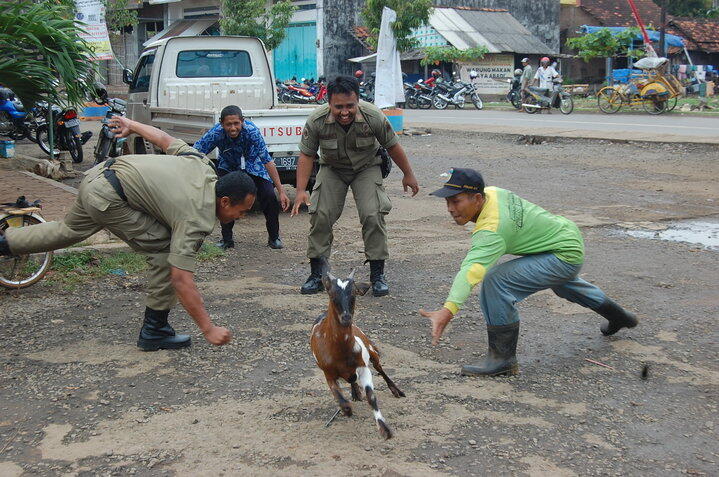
(388,83)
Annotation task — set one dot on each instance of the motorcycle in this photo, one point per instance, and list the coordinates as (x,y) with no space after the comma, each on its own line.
(422,97)
(15,122)
(107,144)
(410,101)
(66,132)
(538,99)
(294,93)
(367,90)
(455,93)
(514,96)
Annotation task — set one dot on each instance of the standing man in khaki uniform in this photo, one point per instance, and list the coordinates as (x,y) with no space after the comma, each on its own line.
(347,132)
(130,197)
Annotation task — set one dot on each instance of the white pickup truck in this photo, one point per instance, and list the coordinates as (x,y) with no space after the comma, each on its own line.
(181,84)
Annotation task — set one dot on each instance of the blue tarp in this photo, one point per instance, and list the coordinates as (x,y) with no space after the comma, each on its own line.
(670,40)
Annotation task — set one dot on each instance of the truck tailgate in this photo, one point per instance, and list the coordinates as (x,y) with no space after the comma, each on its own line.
(281,128)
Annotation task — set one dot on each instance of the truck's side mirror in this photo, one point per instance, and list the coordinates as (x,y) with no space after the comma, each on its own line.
(127,76)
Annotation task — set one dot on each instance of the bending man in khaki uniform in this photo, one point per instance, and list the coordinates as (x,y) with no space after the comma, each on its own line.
(347,132)
(161,206)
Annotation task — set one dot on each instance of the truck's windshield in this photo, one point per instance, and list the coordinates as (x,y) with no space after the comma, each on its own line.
(213,63)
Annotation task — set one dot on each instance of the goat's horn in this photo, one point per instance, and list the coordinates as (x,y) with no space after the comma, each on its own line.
(352,274)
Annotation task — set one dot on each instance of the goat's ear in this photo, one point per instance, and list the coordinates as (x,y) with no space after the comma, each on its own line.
(327,282)
(362,287)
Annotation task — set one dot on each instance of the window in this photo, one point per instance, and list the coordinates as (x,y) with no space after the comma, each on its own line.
(213,63)
(141,80)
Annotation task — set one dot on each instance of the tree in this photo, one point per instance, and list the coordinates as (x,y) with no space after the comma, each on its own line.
(605,44)
(687,8)
(42,57)
(253,18)
(411,14)
(118,16)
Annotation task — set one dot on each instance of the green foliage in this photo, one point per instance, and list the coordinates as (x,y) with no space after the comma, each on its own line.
(450,54)
(252,18)
(209,252)
(688,8)
(42,58)
(118,16)
(411,14)
(604,44)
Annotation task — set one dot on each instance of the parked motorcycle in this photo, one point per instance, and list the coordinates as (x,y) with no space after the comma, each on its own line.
(107,144)
(514,96)
(455,94)
(66,132)
(422,97)
(294,93)
(538,99)
(367,89)
(15,122)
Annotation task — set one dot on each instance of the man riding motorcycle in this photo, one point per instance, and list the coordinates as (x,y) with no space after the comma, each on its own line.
(548,78)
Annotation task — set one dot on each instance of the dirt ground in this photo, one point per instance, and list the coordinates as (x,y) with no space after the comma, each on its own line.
(77,397)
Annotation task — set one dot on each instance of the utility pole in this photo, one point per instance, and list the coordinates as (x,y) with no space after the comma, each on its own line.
(662,31)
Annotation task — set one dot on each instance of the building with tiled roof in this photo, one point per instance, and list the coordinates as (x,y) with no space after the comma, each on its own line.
(701,35)
(619,13)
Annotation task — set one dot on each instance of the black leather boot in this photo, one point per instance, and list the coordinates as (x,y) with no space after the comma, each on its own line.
(314,281)
(617,317)
(156,333)
(4,247)
(376,276)
(502,353)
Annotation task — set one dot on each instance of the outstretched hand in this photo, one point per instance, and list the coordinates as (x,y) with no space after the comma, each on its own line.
(120,126)
(440,319)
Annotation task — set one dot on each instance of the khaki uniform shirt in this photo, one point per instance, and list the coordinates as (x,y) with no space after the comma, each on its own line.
(179,191)
(353,150)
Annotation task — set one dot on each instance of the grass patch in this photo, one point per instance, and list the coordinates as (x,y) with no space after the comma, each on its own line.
(73,268)
(209,252)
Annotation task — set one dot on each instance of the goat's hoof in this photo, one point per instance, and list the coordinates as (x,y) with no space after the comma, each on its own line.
(347,410)
(357,397)
(396,392)
(384,430)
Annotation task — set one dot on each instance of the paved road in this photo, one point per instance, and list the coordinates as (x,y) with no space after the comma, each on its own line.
(595,125)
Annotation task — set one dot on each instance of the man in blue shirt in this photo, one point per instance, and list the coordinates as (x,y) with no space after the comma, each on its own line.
(241,147)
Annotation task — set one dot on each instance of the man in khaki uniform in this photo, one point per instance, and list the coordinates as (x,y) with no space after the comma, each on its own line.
(161,206)
(347,132)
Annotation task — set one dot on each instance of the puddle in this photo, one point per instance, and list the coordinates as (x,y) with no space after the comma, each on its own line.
(703,232)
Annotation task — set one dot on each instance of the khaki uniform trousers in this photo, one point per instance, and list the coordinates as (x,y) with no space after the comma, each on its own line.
(98,206)
(327,202)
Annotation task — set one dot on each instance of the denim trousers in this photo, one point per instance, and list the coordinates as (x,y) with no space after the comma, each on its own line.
(509,283)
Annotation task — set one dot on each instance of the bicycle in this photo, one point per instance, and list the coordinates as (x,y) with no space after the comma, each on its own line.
(24,270)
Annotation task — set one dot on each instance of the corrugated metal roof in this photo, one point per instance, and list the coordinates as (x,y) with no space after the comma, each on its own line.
(497,30)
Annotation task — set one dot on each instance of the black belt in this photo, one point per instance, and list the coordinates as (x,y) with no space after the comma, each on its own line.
(111,177)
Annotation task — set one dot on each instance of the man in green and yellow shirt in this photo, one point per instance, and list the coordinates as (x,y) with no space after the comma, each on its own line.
(552,253)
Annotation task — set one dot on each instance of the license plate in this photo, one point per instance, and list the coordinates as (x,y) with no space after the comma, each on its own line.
(286,162)
(71,123)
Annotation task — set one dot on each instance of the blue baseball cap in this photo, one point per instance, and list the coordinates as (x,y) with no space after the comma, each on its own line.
(461,180)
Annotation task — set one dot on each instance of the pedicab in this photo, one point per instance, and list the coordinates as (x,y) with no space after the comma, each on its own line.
(655,90)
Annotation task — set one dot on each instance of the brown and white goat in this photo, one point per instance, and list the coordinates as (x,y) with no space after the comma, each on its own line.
(343,351)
